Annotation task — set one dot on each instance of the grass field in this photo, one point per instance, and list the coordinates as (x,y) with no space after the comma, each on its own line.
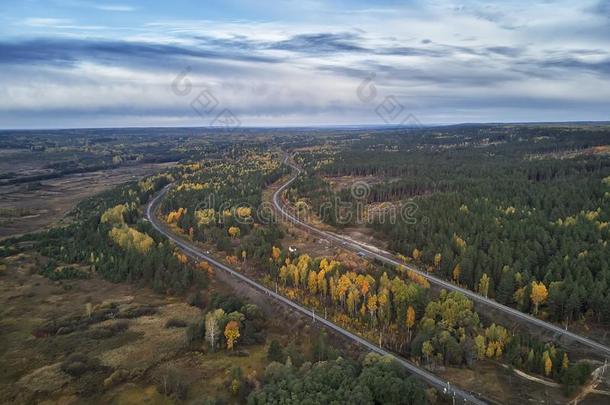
(131,362)
(31,206)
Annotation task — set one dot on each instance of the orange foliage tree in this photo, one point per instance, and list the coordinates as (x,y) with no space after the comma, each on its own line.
(231,333)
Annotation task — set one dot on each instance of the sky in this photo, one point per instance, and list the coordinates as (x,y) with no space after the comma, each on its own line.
(230,63)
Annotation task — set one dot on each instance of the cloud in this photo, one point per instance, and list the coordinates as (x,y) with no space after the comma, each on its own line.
(46,22)
(482,61)
(66,51)
(601,8)
(114,7)
(321,43)
(601,67)
(59,24)
(507,51)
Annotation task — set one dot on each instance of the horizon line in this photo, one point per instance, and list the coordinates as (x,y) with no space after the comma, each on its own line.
(319,126)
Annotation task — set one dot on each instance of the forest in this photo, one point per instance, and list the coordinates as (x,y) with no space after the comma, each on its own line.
(517,214)
(387,305)
(505,211)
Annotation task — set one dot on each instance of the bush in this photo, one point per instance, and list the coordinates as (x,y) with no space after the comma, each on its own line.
(574,377)
(136,312)
(196,300)
(110,330)
(171,383)
(228,303)
(119,326)
(78,364)
(100,333)
(275,352)
(116,377)
(175,323)
(63,273)
(194,332)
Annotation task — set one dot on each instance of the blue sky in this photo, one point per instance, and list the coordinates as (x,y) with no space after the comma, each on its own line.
(81,63)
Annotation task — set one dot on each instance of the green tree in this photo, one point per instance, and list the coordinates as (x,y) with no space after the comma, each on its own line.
(275,352)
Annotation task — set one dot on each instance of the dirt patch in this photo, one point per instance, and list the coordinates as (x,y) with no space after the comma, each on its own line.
(338,183)
(502,385)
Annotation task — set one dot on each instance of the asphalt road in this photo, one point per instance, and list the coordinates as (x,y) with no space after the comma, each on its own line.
(389,258)
(195,253)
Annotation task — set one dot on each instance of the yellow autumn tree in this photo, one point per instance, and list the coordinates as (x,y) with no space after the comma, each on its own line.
(383,303)
(312,282)
(539,294)
(181,257)
(371,304)
(353,298)
(243,212)
(548,363)
(231,333)
(235,385)
(519,296)
(418,279)
(565,362)
(283,275)
(457,271)
(205,216)
(233,232)
(342,287)
(410,321)
(479,344)
(416,254)
(437,261)
(459,242)
(276,254)
(323,286)
(497,337)
(129,238)
(174,216)
(114,215)
(427,350)
(484,285)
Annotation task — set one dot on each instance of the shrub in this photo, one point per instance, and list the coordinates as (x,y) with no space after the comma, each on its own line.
(194,332)
(78,364)
(175,323)
(63,273)
(116,377)
(171,383)
(136,312)
(119,326)
(275,352)
(196,300)
(574,377)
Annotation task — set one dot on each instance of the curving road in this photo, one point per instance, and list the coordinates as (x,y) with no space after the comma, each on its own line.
(195,253)
(389,258)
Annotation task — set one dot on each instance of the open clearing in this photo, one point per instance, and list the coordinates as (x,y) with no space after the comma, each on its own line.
(138,356)
(30,206)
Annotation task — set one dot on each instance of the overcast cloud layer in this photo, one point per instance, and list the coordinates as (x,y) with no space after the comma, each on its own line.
(76,63)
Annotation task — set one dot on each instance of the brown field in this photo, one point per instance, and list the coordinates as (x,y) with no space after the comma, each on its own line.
(31,206)
(602,150)
(138,358)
